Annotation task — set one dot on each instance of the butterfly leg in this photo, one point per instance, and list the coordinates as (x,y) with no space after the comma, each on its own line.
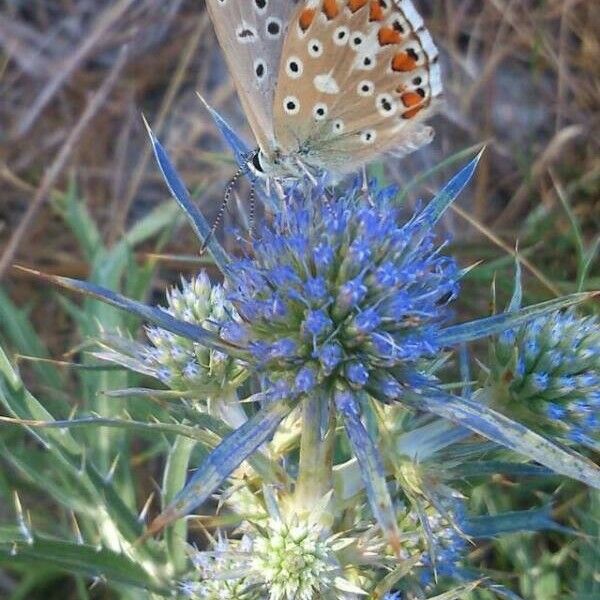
(365,185)
(306,171)
(279,190)
(271,183)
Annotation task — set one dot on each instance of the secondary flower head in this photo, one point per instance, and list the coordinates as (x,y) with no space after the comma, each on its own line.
(178,362)
(280,559)
(295,561)
(548,372)
(340,290)
(217,576)
(448,545)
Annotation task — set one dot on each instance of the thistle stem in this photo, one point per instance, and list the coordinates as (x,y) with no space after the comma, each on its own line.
(228,408)
(315,465)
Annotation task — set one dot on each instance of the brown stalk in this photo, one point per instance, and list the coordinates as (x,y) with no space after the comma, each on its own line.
(124,205)
(103,24)
(55,169)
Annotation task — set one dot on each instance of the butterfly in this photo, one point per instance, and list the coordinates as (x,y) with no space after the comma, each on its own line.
(329,84)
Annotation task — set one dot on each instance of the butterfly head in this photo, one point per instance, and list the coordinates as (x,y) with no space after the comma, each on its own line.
(277,164)
(258,164)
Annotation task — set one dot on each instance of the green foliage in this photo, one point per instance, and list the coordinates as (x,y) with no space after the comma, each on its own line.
(87,472)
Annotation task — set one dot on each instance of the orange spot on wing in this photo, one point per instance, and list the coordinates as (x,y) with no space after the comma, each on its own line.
(377,13)
(355,5)
(331,9)
(388,35)
(306,18)
(411,99)
(403,62)
(413,112)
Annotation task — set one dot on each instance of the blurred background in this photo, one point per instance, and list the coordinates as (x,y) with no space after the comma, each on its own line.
(521,77)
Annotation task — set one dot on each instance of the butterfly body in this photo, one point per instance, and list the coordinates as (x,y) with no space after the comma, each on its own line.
(329,84)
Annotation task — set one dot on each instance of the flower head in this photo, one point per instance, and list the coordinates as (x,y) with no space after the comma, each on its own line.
(280,559)
(294,560)
(217,572)
(548,372)
(340,290)
(180,363)
(448,546)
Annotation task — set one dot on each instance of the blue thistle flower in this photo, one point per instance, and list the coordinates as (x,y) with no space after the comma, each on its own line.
(548,373)
(358,292)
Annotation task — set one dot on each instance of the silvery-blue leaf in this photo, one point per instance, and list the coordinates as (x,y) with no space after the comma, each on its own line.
(489,526)
(434,211)
(221,463)
(421,443)
(234,141)
(241,154)
(500,429)
(488,326)
(514,469)
(180,193)
(517,297)
(148,313)
(371,467)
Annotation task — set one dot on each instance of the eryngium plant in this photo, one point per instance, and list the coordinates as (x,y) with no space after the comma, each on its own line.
(339,314)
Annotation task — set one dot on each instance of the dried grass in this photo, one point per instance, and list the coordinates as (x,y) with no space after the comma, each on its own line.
(521,75)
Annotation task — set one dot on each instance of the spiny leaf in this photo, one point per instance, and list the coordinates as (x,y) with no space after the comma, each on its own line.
(241,151)
(234,141)
(457,593)
(15,324)
(79,559)
(157,316)
(489,526)
(221,463)
(371,467)
(423,442)
(475,415)
(17,400)
(496,324)
(180,193)
(434,211)
(206,430)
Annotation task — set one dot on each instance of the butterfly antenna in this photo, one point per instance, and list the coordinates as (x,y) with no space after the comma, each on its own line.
(226,197)
(252,215)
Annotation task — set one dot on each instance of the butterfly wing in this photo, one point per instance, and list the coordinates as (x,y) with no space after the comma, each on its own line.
(251,34)
(357,78)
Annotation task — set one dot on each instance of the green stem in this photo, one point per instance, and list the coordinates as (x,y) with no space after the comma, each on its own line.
(315,465)
(174,480)
(228,408)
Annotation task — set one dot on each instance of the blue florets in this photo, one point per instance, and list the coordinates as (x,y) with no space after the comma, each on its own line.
(449,545)
(549,368)
(341,288)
